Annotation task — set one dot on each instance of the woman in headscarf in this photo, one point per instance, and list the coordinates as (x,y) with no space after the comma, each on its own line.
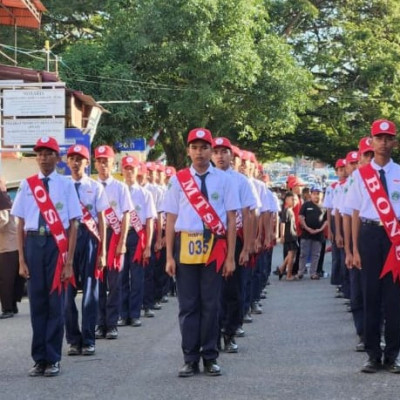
(11,284)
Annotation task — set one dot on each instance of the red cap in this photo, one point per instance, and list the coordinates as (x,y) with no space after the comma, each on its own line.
(104,151)
(170,171)
(47,142)
(236,151)
(245,155)
(80,150)
(253,158)
(129,161)
(151,166)
(383,127)
(265,178)
(293,181)
(222,142)
(365,145)
(142,169)
(352,157)
(200,134)
(160,166)
(340,163)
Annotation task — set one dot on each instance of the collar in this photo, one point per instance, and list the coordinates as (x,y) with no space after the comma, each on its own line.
(210,170)
(108,180)
(386,168)
(83,179)
(53,175)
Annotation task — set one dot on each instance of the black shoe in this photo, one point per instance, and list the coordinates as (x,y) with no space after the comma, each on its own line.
(240,332)
(189,369)
(123,321)
(15,309)
(88,350)
(360,346)
(157,306)
(392,366)
(211,368)
(136,322)
(100,332)
(148,313)
(256,309)
(230,345)
(112,333)
(164,299)
(74,350)
(371,366)
(38,369)
(52,369)
(6,314)
(247,319)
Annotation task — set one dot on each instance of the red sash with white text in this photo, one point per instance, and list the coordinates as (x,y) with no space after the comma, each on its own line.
(113,261)
(50,214)
(386,214)
(208,215)
(136,223)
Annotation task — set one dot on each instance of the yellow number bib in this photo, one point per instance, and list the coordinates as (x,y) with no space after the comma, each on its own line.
(193,248)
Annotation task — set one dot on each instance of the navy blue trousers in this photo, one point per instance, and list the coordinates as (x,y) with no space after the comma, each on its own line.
(356,300)
(109,295)
(84,270)
(132,286)
(47,309)
(381,296)
(148,297)
(231,314)
(161,278)
(246,286)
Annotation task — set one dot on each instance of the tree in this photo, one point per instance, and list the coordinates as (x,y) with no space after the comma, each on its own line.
(206,63)
(352,49)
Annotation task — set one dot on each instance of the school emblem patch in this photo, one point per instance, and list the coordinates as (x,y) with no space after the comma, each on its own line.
(395,196)
(59,206)
(113,204)
(89,207)
(138,208)
(215,196)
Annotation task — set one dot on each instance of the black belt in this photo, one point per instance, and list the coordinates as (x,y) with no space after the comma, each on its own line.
(367,221)
(37,233)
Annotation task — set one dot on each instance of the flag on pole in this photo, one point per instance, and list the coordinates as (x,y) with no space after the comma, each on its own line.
(152,142)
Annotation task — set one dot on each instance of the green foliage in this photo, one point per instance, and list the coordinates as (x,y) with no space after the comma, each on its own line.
(298,77)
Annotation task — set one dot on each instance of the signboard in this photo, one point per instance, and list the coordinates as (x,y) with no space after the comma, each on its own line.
(72,136)
(33,102)
(28,131)
(131,145)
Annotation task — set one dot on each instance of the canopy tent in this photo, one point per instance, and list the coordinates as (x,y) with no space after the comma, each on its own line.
(21,13)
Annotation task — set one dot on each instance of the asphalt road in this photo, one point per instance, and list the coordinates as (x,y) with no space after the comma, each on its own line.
(301,347)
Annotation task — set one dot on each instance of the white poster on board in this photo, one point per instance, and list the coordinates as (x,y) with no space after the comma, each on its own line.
(28,131)
(33,102)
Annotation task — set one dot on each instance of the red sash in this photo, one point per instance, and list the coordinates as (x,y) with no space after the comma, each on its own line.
(136,223)
(386,214)
(113,261)
(208,215)
(50,214)
(91,226)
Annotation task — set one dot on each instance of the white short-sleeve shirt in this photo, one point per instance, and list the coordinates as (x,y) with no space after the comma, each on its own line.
(359,198)
(222,195)
(92,195)
(143,202)
(118,196)
(62,193)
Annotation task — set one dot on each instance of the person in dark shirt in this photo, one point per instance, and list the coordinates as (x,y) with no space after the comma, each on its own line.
(288,237)
(313,222)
